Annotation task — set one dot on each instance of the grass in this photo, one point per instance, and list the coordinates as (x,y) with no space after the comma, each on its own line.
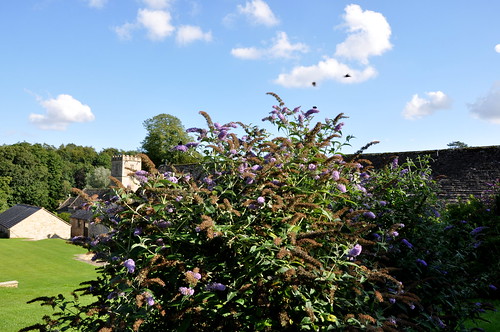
(47,267)
(491,321)
(42,268)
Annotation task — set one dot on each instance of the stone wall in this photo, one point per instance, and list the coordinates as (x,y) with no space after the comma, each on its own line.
(41,225)
(460,172)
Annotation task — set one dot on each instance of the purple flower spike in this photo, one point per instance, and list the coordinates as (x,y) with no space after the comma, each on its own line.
(173,179)
(192,144)
(181,148)
(355,251)
(336,175)
(369,215)
(150,301)
(216,286)
(394,233)
(341,187)
(130,265)
(421,262)
(195,275)
(186,291)
(300,118)
(477,230)
(311,112)
(261,200)
(222,135)
(407,243)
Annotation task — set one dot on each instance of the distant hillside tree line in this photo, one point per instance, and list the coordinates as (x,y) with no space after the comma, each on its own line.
(43,175)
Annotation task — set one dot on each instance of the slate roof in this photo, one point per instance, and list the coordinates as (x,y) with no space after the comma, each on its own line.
(76,202)
(16,214)
(82,215)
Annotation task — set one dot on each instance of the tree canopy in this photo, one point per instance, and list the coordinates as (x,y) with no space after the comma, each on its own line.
(43,175)
(165,132)
(457,145)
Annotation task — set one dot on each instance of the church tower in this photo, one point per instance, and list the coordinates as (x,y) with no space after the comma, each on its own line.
(123,167)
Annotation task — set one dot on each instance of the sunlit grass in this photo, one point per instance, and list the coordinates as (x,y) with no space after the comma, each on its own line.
(42,268)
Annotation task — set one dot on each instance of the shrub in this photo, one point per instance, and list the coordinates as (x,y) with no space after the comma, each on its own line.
(476,221)
(269,234)
(431,257)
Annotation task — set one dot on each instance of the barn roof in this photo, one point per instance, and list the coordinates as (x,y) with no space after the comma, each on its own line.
(16,214)
(77,202)
(82,215)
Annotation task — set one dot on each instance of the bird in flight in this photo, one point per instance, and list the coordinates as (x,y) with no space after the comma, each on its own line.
(347,75)
(313,83)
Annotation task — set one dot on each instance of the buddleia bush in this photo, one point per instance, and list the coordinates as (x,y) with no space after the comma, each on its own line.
(437,258)
(476,220)
(266,234)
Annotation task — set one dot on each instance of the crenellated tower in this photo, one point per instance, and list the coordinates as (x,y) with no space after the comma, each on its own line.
(123,167)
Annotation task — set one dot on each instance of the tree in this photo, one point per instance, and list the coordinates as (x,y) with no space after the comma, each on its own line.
(457,145)
(98,178)
(5,192)
(165,132)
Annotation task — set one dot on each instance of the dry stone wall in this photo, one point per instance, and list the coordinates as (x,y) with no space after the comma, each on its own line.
(460,172)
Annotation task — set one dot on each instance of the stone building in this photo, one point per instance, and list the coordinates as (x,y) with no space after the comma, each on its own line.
(31,222)
(123,166)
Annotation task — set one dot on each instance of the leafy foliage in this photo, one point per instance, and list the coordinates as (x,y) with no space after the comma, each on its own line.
(166,131)
(98,178)
(274,234)
(433,257)
(476,221)
(43,175)
(5,192)
(457,145)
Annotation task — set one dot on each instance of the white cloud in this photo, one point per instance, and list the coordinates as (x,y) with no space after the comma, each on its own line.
(419,107)
(281,48)
(369,34)
(328,69)
(188,33)
(60,112)
(97,3)
(259,12)
(497,48)
(248,53)
(157,4)
(124,31)
(157,22)
(156,19)
(488,107)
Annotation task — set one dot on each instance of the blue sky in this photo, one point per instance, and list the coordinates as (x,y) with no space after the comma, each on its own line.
(89,72)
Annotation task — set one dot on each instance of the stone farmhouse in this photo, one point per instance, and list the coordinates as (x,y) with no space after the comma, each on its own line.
(81,218)
(26,221)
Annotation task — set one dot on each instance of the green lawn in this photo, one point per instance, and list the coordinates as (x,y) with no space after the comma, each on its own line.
(493,318)
(48,267)
(42,268)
